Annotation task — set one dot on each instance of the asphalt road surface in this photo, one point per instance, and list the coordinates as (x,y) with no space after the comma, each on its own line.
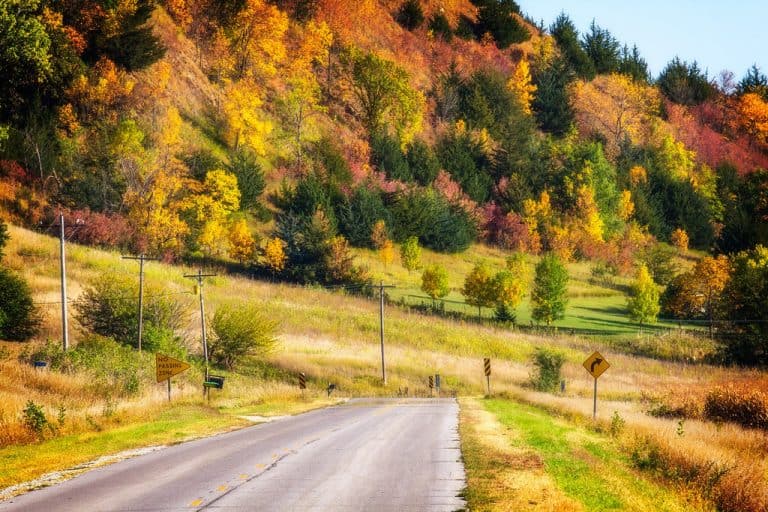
(366,455)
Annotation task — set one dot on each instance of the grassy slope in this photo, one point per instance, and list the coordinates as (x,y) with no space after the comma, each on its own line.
(334,338)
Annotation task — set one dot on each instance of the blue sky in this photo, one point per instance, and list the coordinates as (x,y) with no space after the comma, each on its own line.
(717,34)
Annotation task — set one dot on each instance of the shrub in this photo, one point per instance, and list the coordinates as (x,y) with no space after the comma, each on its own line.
(240,332)
(742,405)
(547,365)
(440,26)
(3,237)
(34,418)
(19,317)
(410,15)
(109,307)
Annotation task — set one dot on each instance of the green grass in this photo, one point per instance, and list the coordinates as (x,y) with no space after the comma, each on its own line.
(171,425)
(586,466)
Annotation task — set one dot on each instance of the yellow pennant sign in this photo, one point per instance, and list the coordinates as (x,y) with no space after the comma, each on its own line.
(166,367)
(596,364)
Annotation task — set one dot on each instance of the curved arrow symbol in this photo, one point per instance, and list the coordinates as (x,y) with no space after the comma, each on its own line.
(596,362)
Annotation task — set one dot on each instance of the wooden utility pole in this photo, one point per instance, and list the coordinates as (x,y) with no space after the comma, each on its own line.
(141,259)
(381,330)
(63,265)
(199,278)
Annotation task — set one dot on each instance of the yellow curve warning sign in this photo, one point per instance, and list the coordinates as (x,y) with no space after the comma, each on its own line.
(166,367)
(596,364)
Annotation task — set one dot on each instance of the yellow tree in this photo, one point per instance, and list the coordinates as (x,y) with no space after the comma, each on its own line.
(521,86)
(210,209)
(302,98)
(679,239)
(257,41)
(643,303)
(753,111)
(616,108)
(589,223)
(274,256)
(626,205)
(242,244)
(387,253)
(246,124)
(379,234)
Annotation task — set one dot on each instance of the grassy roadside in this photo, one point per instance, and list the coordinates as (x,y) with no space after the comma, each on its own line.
(537,462)
(168,425)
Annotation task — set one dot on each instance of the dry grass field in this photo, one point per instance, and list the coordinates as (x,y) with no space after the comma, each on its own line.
(333,337)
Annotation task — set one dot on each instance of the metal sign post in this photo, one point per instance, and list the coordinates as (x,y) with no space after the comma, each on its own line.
(595,366)
(381,330)
(437,384)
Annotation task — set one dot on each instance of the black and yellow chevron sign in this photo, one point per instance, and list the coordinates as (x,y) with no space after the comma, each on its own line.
(431,382)
(487,366)
(302,381)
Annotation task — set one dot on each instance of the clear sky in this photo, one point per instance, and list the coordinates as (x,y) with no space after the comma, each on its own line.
(717,34)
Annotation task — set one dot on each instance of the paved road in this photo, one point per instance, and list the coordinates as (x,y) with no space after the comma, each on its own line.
(367,455)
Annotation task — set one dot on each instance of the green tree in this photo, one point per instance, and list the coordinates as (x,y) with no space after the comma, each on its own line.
(19,317)
(497,17)
(685,83)
(240,332)
(550,285)
(551,103)
(567,37)
(360,213)
(508,291)
(754,81)
(745,300)
(25,60)
(634,65)
(384,95)
(643,302)
(602,48)
(479,290)
(250,178)
(410,253)
(434,281)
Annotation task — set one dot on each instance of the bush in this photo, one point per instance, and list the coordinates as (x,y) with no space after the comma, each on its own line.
(437,224)
(109,307)
(547,364)
(3,237)
(440,26)
(34,418)
(240,332)
(19,317)
(746,406)
(410,16)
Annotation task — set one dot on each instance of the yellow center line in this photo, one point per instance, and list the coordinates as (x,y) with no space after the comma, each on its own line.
(222,488)
(196,503)
(243,477)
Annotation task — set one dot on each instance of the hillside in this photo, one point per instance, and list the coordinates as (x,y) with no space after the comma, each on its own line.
(333,337)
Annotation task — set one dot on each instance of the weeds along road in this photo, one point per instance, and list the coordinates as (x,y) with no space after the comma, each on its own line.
(368,454)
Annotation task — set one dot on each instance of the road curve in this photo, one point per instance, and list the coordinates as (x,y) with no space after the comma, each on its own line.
(367,455)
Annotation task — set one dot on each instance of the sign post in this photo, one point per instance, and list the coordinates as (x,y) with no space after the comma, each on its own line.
(487,368)
(437,384)
(166,367)
(596,366)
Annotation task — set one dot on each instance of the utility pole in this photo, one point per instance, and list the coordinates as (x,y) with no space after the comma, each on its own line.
(141,259)
(63,264)
(381,329)
(199,278)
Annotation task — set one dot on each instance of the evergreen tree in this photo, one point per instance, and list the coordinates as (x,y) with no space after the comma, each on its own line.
(643,303)
(410,15)
(19,317)
(754,81)
(602,49)
(422,162)
(567,37)
(550,284)
(685,83)
(634,65)
(496,18)
(551,105)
